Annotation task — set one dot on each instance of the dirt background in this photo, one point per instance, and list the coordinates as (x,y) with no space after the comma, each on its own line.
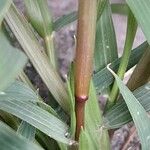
(124,138)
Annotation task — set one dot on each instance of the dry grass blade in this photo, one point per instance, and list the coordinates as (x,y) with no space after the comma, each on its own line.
(40,18)
(31,46)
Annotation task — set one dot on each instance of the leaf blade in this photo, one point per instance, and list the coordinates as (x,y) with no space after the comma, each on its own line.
(38,14)
(141,12)
(12,141)
(27,131)
(103,78)
(31,46)
(4,6)
(21,101)
(38,118)
(136,109)
(119,115)
(12,62)
(105,44)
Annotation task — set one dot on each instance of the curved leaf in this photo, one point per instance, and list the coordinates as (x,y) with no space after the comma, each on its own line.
(105,44)
(9,140)
(38,118)
(65,20)
(35,52)
(119,114)
(138,113)
(27,131)
(103,78)
(39,16)
(141,12)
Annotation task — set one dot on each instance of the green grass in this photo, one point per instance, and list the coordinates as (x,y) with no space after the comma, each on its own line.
(27,122)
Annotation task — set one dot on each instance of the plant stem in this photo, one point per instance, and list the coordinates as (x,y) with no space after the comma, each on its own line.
(130,35)
(80,106)
(84,57)
(141,73)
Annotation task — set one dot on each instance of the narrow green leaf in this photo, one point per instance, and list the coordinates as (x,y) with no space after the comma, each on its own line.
(119,8)
(119,114)
(21,101)
(39,16)
(4,6)
(103,78)
(85,142)
(130,35)
(27,130)
(93,122)
(12,62)
(71,17)
(138,113)
(141,12)
(31,46)
(48,108)
(38,118)
(41,102)
(105,44)
(65,20)
(100,7)
(19,91)
(9,140)
(70,85)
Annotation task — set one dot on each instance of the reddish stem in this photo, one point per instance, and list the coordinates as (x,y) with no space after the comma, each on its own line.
(80,107)
(84,57)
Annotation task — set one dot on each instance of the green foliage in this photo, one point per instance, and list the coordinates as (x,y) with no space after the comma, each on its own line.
(11,62)
(119,114)
(22,104)
(93,122)
(138,113)
(34,50)
(141,12)
(12,141)
(4,6)
(39,17)
(120,8)
(27,130)
(103,78)
(105,43)
(27,122)
(130,35)
(38,14)
(85,141)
